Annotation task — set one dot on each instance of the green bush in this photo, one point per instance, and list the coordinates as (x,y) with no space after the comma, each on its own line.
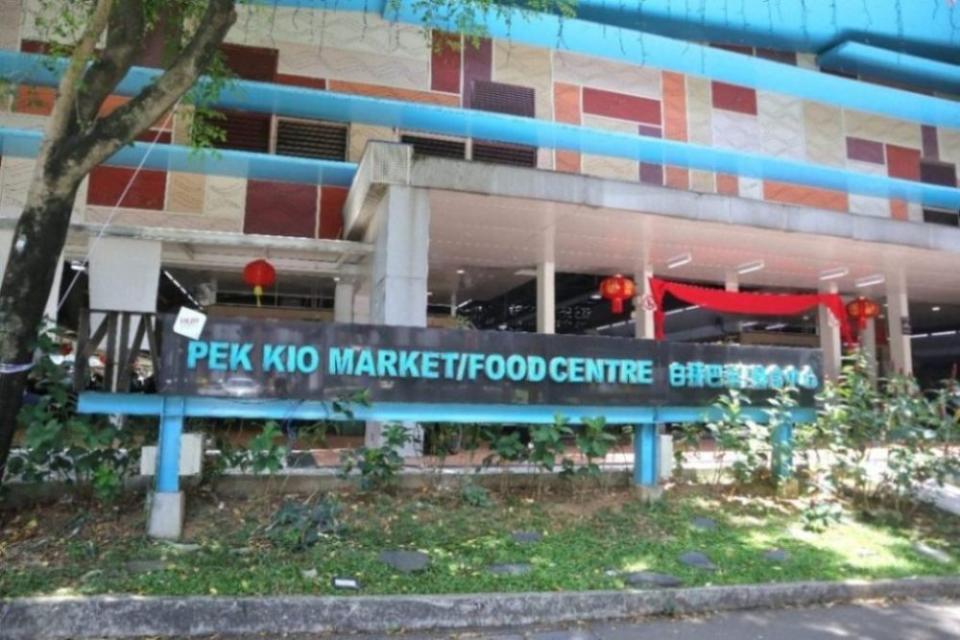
(377,467)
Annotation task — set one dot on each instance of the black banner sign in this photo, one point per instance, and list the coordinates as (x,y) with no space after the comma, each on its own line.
(248,358)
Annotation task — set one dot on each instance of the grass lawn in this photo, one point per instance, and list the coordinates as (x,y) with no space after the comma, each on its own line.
(76,549)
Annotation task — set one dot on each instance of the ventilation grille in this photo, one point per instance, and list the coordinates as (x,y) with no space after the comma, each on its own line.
(311,140)
(436,147)
(937,216)
(500,153)
(503,98)
(245,131)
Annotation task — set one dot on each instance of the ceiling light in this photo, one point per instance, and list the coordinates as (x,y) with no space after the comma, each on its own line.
(935,309)
(869,281)
(833,274)
(464,303)
(750,267)
(460,272)
(679,260)
(595,296)
(336,278)
(429,293)
(527,273)
(78,265)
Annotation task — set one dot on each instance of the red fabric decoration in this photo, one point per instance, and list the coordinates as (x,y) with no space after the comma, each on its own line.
(767,304)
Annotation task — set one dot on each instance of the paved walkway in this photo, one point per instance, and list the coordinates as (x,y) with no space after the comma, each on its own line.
(906,621)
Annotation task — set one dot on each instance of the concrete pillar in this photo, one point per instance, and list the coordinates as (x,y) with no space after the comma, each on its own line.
(898,323)
(731,281)
(398,297)
(868,347)
(343,302)
(399,275)
(546,297)
(643,325)
(829,330)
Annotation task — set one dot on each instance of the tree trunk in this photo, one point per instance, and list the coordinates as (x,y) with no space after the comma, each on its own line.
(34,258)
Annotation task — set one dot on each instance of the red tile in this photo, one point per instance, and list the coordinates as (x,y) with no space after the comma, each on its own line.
(568,161)
(941,173)
(331,211)
(806,196)
(728,184)
(281,209)
(865,150)
(733,97)
(301,81)
(150,135)
(107,184)
(34,100)
(898,210)
(648,131)
(621,105)
(677,177)
(251,63)
(566,102)
(674,106)
(445,62)
(651,173)
(903,162)
(477,65)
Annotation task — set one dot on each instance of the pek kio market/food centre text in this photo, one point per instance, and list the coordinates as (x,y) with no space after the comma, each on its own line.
(243,358)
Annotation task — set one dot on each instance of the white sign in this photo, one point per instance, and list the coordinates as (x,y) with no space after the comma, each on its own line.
(189,323)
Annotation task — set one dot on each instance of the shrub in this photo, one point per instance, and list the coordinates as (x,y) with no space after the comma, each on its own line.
(377,466)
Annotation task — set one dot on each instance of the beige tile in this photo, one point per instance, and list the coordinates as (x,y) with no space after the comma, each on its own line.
(881,129)
(361,134)
(740,131)
(10,24)
(529,67)
(185,192)
(869,206)
(182,120)
(703,181)
(914,212)
(225,197)
(751,188)
(823,133)
(781,125)
(392,70)
(144,218)
(15,177)
(544,158)
(699,111)
(605,166)
(949,140)
(572,68)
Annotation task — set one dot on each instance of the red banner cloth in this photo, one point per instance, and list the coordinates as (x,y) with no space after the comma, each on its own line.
(766,304)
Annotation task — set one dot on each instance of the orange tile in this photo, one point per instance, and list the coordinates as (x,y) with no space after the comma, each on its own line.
(566,102)
(728,184)
(806,196)
(111,103)
(674,106)
(568,161)
(677,178)
(408,95)
(35,100)
(898,210)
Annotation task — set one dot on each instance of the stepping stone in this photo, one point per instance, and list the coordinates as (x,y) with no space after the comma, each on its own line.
(650,579)
(698,560)
(526,537)
(941,557)
(181,547)
(510,569)
(145,566)
(405,561)
(704,524)
(308,574)
(776,555)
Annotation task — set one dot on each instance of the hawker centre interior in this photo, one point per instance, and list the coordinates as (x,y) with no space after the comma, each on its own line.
(554,176)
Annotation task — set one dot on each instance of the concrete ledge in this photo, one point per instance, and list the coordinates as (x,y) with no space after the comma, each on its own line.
(51,618)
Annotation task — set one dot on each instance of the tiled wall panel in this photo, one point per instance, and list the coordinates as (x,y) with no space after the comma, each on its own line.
(572,68)
(281,209)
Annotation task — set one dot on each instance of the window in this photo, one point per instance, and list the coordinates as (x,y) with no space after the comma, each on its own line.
(939,216)
(935,172)
(245,131)
(500,153)
(250,63)
(438,147)
(311,140)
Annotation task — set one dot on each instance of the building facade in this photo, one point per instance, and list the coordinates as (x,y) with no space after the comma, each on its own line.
(398,173)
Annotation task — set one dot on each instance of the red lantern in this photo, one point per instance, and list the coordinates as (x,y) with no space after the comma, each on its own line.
(259,274)
(616,289)
(861,310)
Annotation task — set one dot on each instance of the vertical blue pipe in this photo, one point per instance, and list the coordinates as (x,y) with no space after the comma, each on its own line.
(645,455)
(783,451)
(168,446)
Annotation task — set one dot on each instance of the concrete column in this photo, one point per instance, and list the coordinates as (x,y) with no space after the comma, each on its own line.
(829,330)
(546,297)
(868,346)
(731,281)
(400,264)
(343,302)
(643,325)
(398,296)
(898,324)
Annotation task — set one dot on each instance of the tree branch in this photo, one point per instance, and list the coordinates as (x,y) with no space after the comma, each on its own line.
(125,37)
(111,132)
(62,116)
